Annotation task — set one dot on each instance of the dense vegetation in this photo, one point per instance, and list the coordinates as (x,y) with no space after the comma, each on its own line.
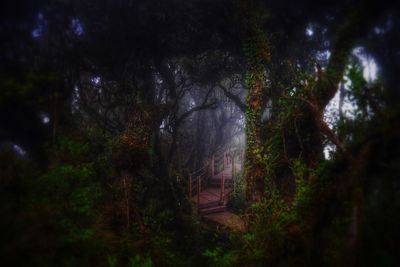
(107,106)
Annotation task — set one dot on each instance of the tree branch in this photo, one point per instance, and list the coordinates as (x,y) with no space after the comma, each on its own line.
(358,22)
(189,112)
(234,98)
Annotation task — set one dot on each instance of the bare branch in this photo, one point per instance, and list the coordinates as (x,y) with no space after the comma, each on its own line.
(211,105)
(233,97)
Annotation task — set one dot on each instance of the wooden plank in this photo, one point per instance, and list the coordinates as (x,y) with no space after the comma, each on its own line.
(210,201)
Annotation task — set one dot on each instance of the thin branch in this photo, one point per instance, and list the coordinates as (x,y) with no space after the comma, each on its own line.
(233,97)
(212,105)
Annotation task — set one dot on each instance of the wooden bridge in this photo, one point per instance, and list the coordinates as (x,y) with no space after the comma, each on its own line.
(210,186)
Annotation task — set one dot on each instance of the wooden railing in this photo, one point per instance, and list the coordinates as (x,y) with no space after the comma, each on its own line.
(195,179)
(198,180)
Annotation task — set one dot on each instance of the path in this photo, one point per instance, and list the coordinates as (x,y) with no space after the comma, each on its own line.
(211,199)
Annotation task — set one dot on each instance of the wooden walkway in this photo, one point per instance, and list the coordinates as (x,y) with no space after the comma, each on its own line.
(211,200)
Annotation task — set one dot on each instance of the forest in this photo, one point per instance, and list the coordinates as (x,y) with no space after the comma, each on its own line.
(199,133)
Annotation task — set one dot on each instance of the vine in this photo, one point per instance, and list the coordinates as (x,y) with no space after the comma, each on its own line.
(257,53)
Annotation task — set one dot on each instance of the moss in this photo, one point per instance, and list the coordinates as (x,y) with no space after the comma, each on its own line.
(257,53)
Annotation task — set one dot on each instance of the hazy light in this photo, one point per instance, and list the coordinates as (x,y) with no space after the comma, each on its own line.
(309,31)
(36,33)
(159,80)
(331,116)
(329,150)
(19,150)
(75,99)
(266,115)
(370,69)
(40,27)
(44,117)
(324,55)
(378,30)
(76,26)
(369,64)
(96,80)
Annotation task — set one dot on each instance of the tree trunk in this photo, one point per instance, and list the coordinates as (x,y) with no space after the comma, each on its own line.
(257,55)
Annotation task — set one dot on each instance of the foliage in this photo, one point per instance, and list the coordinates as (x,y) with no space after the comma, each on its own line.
(114,103)
(137,261)
(237,201)
(219,257)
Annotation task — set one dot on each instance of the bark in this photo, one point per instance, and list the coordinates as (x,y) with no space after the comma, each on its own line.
(356,25)
(311,122)
(257,56)
(235,98)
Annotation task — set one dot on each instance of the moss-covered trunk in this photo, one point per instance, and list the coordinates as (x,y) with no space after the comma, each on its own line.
(257,55)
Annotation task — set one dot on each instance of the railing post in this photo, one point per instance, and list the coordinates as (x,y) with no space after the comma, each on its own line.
(224,161)
(190,187)
(198,191)
(233,172)
(222,186)
(212,166)
(209,167)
